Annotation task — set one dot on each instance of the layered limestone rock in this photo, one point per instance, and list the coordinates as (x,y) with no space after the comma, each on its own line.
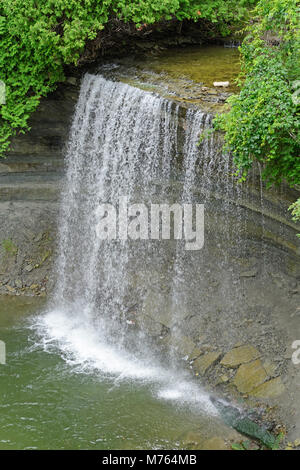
(243,288)
(30,180)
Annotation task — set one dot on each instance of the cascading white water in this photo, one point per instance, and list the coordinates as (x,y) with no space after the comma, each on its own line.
(122,142)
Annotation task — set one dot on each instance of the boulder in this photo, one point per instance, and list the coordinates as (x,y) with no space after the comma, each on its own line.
(250,376)
(271,389)
(203,363)
(240,355)
(221,84)
(249,273)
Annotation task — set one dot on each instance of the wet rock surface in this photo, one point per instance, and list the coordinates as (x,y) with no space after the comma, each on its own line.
(238,330)
(249,376)
(30,179)
(240,355)
(176,87)
(204,362)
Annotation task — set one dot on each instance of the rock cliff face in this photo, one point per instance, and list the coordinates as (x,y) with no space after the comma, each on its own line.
(30,179)
(29,196)
(263,319)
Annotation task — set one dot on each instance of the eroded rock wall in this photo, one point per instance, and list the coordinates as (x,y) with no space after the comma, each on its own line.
(249,300)
(30,179)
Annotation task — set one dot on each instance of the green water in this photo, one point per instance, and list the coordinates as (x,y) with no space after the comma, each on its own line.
(184,74)
(200,64)
(49,404)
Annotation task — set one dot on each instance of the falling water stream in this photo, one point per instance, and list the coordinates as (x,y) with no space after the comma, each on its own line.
(122,140)
(84,358)
(90,354)
(107,360)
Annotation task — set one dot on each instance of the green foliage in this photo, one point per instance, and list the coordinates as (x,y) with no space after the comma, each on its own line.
(9,246)
(263,121)
(237,446)
(38,37)
(295,209)
(246,445)
(279,438)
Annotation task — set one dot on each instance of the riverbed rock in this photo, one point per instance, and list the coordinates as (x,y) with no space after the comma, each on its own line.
(11,289)
(192,440)
(185,346)
(28,268)
(211,91)
(18,283)
(270,367)
(271,389)
(221,84)
(215,443)
(224,378)
(34,286)
(249,376)
(249,273)
(196,353)
(203,363)
(240,355)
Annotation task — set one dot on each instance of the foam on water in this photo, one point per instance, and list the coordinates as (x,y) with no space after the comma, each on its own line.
(85,349)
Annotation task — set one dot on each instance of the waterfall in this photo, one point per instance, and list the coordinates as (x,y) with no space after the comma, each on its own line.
(122,140)
(125,142)
(117,135)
